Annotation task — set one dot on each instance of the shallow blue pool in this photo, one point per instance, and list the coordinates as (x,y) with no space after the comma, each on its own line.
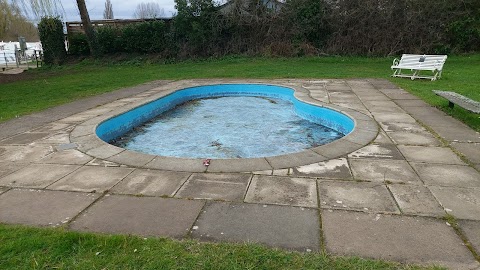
(225,121)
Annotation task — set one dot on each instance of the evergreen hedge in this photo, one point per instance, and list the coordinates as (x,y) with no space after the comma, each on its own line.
(52,38)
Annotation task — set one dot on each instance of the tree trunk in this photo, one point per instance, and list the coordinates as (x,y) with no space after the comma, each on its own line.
(88,28)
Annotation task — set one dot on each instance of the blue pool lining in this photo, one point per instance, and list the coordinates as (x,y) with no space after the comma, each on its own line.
(120,124)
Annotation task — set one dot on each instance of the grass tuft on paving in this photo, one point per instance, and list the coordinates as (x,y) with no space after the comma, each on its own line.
(45,248)
(54,86)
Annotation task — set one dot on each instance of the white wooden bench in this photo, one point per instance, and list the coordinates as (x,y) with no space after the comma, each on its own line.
(416,63)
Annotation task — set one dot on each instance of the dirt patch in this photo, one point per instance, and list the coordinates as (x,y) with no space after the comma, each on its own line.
(9,78)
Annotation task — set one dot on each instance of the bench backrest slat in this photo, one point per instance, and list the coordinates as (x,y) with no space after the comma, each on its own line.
(429,61)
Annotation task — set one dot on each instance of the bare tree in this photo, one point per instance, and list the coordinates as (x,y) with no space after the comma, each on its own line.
(88,27)
(150,10)
(13,23)
(108,13)
(42,8)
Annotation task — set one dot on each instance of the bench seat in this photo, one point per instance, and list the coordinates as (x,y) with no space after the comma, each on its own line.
(462,101)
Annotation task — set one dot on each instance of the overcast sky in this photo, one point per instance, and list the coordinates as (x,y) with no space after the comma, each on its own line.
(122,9)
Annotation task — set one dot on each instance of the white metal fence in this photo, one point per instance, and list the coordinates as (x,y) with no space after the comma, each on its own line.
(12,57)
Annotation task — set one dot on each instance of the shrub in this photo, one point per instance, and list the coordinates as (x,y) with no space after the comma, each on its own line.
(108,39)
(145,37)
(51,35)
(77,44)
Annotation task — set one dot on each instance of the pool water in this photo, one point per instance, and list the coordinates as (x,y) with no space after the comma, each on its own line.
(227,127)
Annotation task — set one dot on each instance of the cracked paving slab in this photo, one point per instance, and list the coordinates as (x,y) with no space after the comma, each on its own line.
(358,196)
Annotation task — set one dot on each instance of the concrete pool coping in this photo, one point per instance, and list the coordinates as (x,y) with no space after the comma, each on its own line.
(85,137)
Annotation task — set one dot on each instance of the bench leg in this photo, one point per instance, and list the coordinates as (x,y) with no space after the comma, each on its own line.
(415,74)
(450,104)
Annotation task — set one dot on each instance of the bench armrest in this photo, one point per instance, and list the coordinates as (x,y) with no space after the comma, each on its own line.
(395,62)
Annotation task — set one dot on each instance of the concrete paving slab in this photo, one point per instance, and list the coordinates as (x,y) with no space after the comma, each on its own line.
(103,163)
(471,229)
(76,118)
(176,164)
(367,125)
(131,158)
(42,207)
(462,203)
(280,172)
(357,106)
(379,110)
(59,138)
(469,150)
(24,138)
(295,159)
(422,112)
(440,155)
(26,154)
(151,183)
(83,130)
(382,138)
(337,148)
(37,175)
(71,156)
(416,200)
(384,171)
(447,175)
(402,96)
(409,127)
(147,216)
(414,138)
(88,142)
(66,146)
(398,238)
(333,169)
(276,226)
(377,151)
(54,127)
(282,190)
(105,151)
(363,137)
(454,134)
(442,123)
(395,117)
(330,87)
(356,196)
(239,165)
(3,189)
(92,179)
(7,168)
(374,97)
(228,187)
(380,103)
(414,102)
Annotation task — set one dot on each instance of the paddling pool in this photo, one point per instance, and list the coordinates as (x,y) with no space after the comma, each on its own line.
(225,121)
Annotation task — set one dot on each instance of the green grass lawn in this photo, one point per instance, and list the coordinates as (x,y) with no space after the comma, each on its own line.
(57,86)
(33,248)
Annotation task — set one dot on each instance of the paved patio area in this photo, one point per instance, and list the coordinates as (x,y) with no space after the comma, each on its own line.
(384,199)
